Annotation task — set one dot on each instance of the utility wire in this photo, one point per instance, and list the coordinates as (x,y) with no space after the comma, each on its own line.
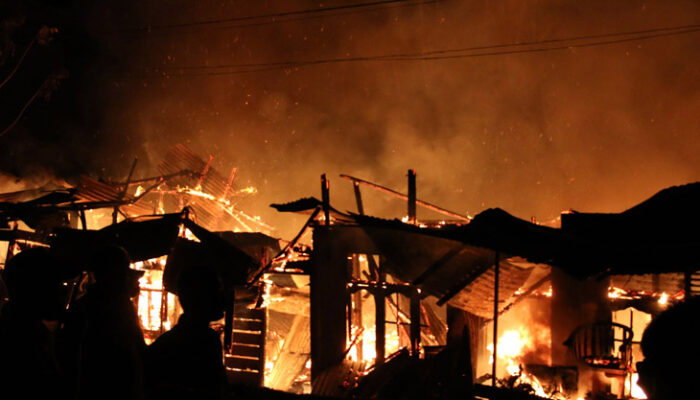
(19,62)
(165,33)
(672,29)
(444,54)
(21,112)
(411,56)
(263,16)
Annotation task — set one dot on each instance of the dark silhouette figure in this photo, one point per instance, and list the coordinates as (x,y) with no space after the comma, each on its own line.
(186,362)
(28,324)
(3,293)
(671,347)
(110,364)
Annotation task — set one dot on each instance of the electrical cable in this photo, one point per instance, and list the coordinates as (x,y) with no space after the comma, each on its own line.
(262,16)
(444,54)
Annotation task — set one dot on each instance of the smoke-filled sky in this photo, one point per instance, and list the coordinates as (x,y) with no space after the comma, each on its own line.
(591,128)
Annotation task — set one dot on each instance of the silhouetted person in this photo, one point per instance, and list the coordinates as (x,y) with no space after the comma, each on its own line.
(3,293)
(111,359)
(186,362)
(671,347)
(28,323)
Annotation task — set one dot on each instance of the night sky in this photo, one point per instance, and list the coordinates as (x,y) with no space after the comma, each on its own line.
(534,107)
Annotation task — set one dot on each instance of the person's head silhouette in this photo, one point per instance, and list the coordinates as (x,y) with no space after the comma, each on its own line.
(110,266)
(670,344)
(34,284)
(201,293)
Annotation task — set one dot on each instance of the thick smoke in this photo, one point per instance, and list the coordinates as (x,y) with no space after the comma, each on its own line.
(593,129)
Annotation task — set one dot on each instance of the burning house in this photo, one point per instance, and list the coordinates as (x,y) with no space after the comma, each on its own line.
(479,305)
(528,106)
(555,312)
(154,220)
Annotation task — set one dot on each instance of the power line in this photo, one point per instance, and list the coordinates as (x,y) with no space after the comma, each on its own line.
(263,16)
(327,13)
(444,51)
(445,54)
(21,112)
(564,47)
(19,62)
(552,41)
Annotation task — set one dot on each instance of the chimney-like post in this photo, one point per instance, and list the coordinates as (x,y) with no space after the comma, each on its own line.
(358,198)
(325,196)
(412,196)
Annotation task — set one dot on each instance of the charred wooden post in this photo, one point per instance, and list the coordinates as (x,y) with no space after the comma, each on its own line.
(379,314)
(350,321)
(228,320)
(163,310)
(495,319)
(115,213)
(203,174)
(380,320)
(325,198)
(358,198)
(230,182)
(412,196)
(329,276)
(83,220)
(415,322)
(356,318)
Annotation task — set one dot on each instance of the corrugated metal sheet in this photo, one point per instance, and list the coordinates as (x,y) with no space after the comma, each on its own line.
(670,283)
(92,190)
(477,297)
(209,213)
(180,157)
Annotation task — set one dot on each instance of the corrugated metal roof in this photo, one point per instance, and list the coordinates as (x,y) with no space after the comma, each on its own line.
(477,297)
(180,157)
(91,190)
(670,283)
(208,212)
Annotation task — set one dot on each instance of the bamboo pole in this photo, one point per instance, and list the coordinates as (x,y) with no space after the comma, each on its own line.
(402,196)
(495,320)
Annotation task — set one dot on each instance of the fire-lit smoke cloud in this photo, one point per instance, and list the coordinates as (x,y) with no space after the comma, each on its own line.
(593,128)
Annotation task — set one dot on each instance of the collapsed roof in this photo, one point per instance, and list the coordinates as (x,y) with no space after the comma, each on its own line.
(456,263)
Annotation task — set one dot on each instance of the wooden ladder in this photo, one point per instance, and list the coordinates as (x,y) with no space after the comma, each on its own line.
(245,361)
(693,284)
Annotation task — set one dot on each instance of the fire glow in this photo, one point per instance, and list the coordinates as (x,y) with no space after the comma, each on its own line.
(366,340)
(663,298)
(157,310)
(513,345)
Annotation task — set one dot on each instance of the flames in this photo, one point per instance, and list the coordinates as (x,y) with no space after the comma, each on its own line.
(510,346)
(157,310)
(362,347)
(662,298)
(513,346)
(635,391)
